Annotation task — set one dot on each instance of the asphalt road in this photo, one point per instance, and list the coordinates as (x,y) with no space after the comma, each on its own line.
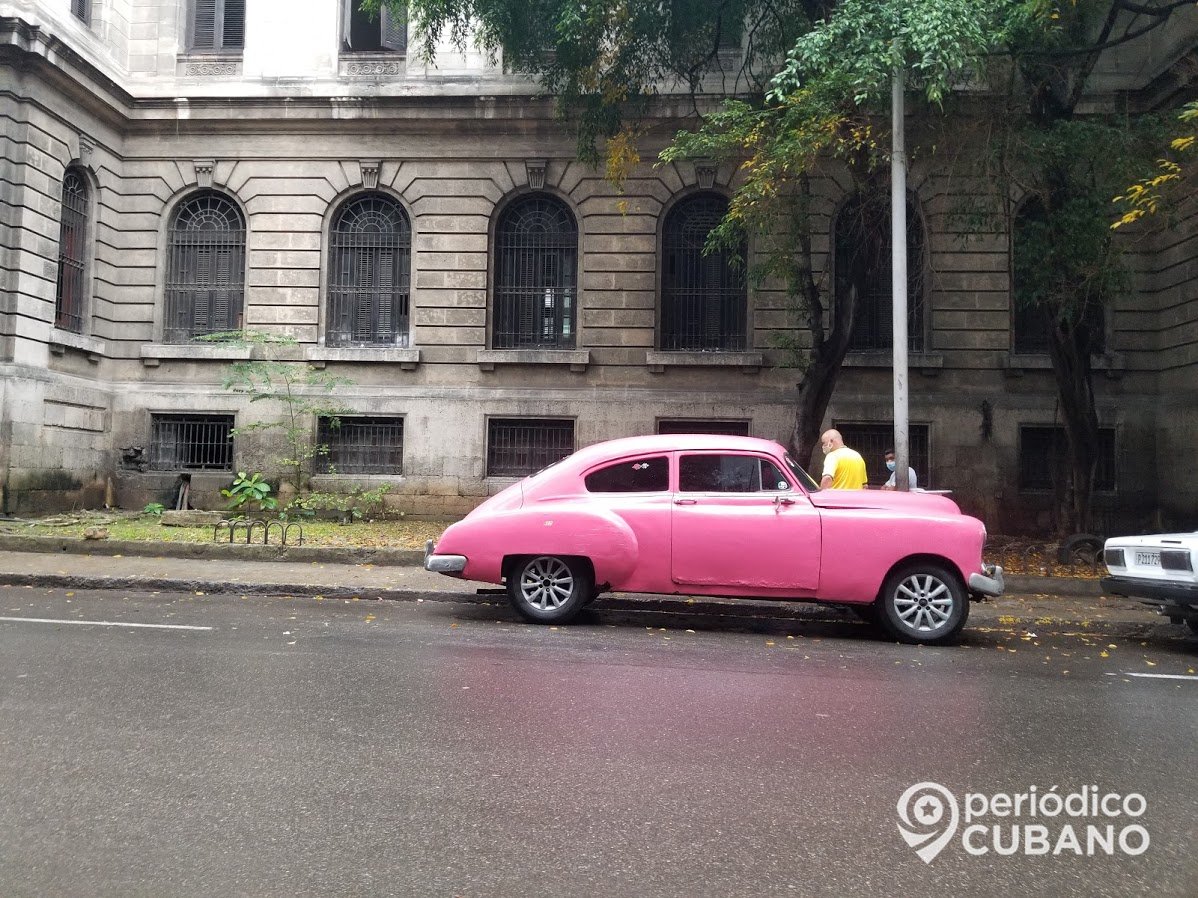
(339,747)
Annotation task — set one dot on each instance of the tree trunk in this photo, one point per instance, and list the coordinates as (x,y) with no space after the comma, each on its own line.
(1070,345)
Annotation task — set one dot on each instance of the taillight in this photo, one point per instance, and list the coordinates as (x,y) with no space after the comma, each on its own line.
(1114,558)
(1176,560)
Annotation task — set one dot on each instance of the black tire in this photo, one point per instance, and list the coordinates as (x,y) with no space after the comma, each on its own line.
(923,603)
(549,589)
(1081,548)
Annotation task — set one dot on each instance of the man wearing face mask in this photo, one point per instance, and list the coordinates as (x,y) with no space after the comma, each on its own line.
(889,485)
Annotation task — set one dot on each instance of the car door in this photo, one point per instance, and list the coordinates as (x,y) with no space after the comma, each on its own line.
(737,521)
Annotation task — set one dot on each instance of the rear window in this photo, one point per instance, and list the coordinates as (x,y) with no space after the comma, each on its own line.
(638,475)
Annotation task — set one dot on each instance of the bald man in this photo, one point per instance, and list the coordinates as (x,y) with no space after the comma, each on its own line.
(844,468)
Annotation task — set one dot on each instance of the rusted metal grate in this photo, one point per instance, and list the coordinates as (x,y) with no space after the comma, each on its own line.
(365,445)
(191,442)
(862,248)
(205,285)
(536,275)
(873,439)
(1044,458)
(72,253)
(701,425)
(369,274)
(703,297)
(517,447)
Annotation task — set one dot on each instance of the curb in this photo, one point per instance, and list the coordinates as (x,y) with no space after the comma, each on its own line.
(746,614)
(1059,586)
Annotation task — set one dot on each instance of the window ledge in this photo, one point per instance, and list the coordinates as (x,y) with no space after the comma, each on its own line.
(927,362)
(153,353)
(659,360)
(208,64)
(372,64)
(1016,364)
(407,359)
(61,340)
(577,359)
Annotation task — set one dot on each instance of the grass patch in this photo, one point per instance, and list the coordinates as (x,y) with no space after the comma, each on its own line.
(392,534)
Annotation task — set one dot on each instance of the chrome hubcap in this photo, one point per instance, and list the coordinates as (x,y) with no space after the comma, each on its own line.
(546,583)
(923,602)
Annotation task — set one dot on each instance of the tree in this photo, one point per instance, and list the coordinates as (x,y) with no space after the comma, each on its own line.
(1146,195)
(299,392)
(783,114)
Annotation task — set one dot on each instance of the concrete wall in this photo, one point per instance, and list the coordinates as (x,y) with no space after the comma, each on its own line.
(453,145)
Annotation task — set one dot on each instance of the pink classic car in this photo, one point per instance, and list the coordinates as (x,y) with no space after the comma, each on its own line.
(719,516)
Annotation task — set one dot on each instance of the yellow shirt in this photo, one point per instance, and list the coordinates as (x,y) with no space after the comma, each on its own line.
(846,467)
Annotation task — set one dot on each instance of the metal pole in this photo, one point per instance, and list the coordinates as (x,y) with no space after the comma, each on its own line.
(898,281)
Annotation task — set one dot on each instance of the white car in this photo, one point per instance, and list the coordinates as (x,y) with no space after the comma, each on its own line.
(1160,569)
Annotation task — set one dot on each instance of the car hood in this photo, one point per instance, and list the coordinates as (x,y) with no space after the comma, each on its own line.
(885,500)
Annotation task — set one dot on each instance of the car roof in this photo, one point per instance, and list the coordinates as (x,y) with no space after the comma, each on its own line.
(670,443)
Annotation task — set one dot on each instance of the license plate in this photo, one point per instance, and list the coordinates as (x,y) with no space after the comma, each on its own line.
(1149,559)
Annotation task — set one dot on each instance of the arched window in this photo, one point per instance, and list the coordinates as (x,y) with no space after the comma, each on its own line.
(703,297)
(1031,312)
(370,263)
(205,284)
(69,301)
(862,250)
(536,275)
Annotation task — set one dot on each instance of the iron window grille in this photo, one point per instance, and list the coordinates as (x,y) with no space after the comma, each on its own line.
(1030,321)
(1044,458)
(82,10)
(862,249)
(205,284)
(361,445)
(517,447)
(873,439)
(191,442)
(700,425)
(703,296)
(364,32)
(72,253)
(218,25)
(536,275)
(369,274)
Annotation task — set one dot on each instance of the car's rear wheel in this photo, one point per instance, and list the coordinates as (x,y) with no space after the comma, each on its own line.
(549,589)
(923,603)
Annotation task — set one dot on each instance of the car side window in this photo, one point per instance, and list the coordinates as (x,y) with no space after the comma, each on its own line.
(728,474)
(639,475)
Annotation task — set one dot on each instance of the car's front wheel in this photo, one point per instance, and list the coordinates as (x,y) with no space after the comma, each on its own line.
(923,603)
(548,589)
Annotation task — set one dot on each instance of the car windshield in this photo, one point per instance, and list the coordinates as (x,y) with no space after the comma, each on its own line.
(803,477)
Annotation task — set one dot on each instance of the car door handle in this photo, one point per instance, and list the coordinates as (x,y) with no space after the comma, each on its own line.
(783,500)
(684,501)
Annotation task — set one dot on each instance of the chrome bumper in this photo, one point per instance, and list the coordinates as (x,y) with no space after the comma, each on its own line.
(989,583)
(442,564)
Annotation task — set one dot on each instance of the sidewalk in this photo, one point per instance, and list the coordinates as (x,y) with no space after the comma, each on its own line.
(398,574)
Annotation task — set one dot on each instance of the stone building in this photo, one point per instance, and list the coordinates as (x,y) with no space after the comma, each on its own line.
(170,168)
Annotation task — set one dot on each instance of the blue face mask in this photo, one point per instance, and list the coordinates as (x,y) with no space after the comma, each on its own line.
(890,465)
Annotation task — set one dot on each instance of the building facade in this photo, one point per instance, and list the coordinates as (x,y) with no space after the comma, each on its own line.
(173,168)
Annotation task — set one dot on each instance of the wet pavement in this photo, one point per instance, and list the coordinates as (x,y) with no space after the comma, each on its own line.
(184,744)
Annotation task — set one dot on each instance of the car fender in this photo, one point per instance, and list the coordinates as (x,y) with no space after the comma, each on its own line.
(543,529)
